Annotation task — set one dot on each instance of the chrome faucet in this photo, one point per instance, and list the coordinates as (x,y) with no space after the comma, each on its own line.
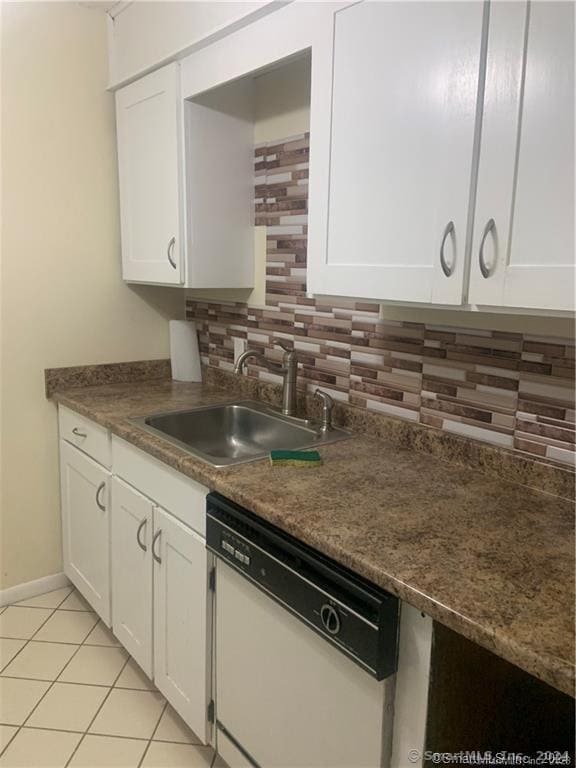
(288,370)
(327,406)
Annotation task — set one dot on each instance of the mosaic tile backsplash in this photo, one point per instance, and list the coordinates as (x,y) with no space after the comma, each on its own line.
(509,389)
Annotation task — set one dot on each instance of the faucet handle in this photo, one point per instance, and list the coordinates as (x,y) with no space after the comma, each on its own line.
(290,358)
(327,406)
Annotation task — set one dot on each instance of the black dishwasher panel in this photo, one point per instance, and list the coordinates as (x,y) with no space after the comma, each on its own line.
(358,618)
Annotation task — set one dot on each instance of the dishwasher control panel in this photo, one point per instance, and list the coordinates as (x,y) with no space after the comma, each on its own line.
(235,548)
(350,613)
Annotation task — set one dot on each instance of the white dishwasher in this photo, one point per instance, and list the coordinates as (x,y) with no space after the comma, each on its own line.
(305,651)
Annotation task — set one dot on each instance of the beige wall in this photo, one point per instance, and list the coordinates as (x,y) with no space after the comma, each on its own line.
(62,299)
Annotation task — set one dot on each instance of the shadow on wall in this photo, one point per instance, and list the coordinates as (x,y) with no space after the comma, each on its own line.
(169,302)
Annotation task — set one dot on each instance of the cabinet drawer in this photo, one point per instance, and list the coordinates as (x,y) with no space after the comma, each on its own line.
(85,435)
(180,495)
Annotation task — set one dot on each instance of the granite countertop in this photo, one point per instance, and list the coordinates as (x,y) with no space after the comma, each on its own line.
(492,560)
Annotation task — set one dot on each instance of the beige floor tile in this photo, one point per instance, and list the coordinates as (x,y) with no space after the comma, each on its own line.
(95,666)
(67,627)
(40,661)
(8,649)
(68,707)
(101,635)
(22,623)
(133,677)
(18,698)
(173,728)
(163,755)
(48,599)
(6,733)
(39,749)
(75,602)
(129,713)
(108,752)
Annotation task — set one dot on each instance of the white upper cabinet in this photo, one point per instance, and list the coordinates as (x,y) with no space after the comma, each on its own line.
(523,249)
(403,115)
(186,204)
(145,35)
(150,170)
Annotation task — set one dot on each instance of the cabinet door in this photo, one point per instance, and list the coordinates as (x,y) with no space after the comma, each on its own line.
(404,107)
(132,572)
(149,163)
(86,528)
(180,619)
(523,248)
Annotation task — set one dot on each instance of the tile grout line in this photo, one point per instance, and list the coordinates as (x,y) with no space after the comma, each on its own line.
(164,708)
(52,683)
(104,700)
(10,740)
(31,640)
(83,733)
(50,686)
(71,682)
(28,641)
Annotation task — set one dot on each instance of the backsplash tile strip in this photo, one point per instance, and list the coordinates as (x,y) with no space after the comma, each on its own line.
(511,390)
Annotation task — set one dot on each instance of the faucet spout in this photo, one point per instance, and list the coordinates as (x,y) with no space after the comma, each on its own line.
(288,370)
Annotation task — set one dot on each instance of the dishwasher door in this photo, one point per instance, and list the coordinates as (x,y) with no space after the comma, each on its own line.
(286,698)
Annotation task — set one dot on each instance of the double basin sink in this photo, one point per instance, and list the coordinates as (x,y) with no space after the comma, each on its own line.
(237,432)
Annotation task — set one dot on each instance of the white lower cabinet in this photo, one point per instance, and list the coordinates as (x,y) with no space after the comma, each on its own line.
(85,488)
(159,600)
(180,619)
(132,572)
(142,566)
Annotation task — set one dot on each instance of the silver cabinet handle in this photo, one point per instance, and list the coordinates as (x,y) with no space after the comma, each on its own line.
(490,225)
(154,540)
(141,527)
(78,433)
(101,487)
(170,252)
(445,268)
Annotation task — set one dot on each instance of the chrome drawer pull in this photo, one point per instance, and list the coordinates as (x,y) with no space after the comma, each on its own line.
(445,268)
(170,251)
(154,540)
(78,433)
(490,225)
(101,487)
(141,527)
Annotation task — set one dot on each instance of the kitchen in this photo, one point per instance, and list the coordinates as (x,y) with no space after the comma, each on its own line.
(289,371)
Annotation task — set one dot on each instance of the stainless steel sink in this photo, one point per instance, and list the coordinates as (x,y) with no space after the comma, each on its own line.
(233,433)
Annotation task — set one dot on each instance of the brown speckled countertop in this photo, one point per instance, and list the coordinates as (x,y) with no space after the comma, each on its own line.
(489,559)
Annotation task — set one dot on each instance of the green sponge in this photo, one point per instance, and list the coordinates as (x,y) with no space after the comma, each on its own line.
(295,458)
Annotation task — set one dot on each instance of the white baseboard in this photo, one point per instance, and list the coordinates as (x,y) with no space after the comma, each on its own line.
(32,589)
